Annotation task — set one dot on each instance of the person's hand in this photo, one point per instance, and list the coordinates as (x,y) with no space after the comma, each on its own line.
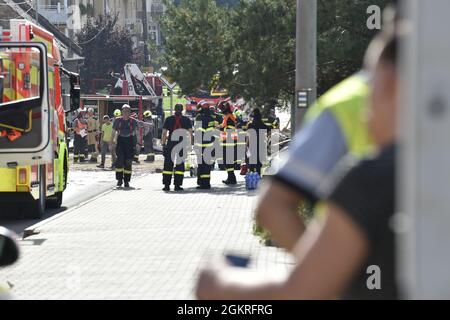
(211,284)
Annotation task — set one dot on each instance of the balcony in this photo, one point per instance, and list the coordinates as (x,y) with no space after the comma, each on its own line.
(56,14)
(157,9)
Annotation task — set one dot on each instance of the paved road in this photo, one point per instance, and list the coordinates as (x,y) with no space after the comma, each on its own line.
(82,187)
(139,244)
(85,182)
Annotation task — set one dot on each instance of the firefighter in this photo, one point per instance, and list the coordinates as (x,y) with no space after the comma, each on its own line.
(93,134)
(124,131)
(173,123)
(229,139)
(257,142)
(148,137)
(117,114)
(136,139)
(271,120)
(80,138)
(242,135)
(205,124)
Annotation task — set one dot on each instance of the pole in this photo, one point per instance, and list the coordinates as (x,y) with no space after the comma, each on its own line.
(145,33)
(171,101)
(306,60)
(37,11)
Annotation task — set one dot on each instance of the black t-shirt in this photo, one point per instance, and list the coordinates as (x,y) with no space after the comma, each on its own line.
(171,124)
(367,195)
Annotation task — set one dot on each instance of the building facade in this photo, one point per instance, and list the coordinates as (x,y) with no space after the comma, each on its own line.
(70,15)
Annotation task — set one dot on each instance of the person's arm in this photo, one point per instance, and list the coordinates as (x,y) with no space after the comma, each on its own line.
(278,212)
(191,136)
(328,257)
(313,156)
(114,132)
(164,137)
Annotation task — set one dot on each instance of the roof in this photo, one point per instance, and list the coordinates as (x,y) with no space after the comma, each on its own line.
(26,11)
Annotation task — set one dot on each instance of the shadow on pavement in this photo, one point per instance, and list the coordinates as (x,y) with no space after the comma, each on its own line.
(12,219)
(238,190)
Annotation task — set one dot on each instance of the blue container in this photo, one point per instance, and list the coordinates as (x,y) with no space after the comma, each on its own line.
(252,180)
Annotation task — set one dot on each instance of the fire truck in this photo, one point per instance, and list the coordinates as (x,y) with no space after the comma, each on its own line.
(33,148)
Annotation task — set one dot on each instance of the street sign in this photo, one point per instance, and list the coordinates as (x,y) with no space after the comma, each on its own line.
(303,98)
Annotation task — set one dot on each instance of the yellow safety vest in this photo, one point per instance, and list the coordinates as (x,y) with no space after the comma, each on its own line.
(348,103)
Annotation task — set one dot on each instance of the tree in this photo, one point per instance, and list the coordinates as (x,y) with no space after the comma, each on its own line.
(106,48)
(262,51)
(343,38)
(194,32)
(250,46)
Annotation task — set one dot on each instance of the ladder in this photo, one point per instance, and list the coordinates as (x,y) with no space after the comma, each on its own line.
(24,14)
(137,83)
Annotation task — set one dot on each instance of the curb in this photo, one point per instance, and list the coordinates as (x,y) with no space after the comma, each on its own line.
(34,229)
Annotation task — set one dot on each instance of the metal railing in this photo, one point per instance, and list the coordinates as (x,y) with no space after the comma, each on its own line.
(54,13)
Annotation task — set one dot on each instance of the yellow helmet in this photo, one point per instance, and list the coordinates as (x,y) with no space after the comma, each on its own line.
(117,113)
(147,114)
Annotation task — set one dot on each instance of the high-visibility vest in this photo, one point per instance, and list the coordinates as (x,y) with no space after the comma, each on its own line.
(348,104)
(80,126)
(228,127)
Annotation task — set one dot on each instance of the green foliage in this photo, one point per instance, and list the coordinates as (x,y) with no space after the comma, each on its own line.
(106,48)
(194,33)
(251,44)
(305,211)
(342,38)
(87,10)
(263,49)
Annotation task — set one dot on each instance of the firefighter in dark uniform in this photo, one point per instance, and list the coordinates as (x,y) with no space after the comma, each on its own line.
(271,120)
(173,123)
(205,126)
(124,130)
(241,148)
(229,139)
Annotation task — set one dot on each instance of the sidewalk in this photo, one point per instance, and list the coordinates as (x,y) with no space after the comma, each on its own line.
(139,244)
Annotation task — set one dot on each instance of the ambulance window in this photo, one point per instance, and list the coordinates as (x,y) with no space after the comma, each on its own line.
(20,74)
(20,88)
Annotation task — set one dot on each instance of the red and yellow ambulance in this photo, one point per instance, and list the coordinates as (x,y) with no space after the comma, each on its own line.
(33,149)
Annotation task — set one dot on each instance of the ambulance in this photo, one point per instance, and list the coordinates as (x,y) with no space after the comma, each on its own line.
(33,149)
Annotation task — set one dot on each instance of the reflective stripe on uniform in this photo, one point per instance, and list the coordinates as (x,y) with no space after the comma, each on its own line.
(230,170)
(180,173)
(127,172)
(205,145)
(205,130)
(205,176)
(168,172)
(118,170)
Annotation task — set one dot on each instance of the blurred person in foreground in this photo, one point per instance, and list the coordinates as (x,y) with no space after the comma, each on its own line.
(334,253)
(336,126)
